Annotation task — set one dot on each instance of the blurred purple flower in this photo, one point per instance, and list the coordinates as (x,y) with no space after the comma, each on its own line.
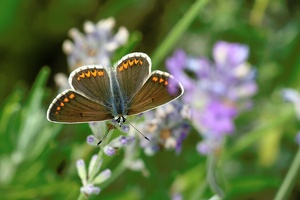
(176,196)
(96,46)
(218,116)
(216,91)
(111,148)
(166,127)
(230,54)
(178,63)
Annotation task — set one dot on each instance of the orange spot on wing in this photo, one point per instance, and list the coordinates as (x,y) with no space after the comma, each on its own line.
(94,73)
(125,64)
(100,73)
(121,68)
(154,79)
(130,62)
(82,75)
(58,108)
(56,113)
(161,80)
(72,96)
(66,99)
(141,62)
(88,74)
(136,61)
(166,82)
(62,104)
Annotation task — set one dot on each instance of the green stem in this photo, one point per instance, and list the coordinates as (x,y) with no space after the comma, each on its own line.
(258,11)
(211,176)
(82,197)
(95,170)
(118,171)
(176,32)
(289,181)
(253,136)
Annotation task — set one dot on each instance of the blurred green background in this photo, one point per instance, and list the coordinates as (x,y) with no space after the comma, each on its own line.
(39,157)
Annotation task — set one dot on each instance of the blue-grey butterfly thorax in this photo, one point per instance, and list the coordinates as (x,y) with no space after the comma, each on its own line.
(118,108)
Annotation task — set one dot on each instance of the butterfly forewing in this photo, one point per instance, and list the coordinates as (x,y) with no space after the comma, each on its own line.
(160,88)
(132,71)
(93,81)
(72,107)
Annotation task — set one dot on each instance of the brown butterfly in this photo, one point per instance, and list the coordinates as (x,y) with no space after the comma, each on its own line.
(98,94)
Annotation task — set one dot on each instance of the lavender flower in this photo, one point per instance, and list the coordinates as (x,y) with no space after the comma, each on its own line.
(87,178)
(101,129)
(219,91)
(96,46)
(109,150)
(166,127)
(176,196)
(121,141)
(90,189)
(92,140)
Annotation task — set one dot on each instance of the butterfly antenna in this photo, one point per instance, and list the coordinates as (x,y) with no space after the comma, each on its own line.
(103,138)
(139,131)
(109,128)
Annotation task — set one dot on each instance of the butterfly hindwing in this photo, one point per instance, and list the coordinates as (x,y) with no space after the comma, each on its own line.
(132,72)
(92,81)
(72,107)
(160,88)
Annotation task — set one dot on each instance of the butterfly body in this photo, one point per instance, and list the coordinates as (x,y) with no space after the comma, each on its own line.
(99,94)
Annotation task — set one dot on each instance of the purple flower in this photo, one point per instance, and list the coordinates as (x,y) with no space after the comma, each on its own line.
(109,150)
(216,91)
(92,140)
(178,63)
(176,196)
(96,46)
(217,118)
(166,127)
(230,54)
(90,189)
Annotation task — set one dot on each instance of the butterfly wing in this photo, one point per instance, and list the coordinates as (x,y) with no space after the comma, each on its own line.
(72,107)
(160,88)
(93,82)
(132,72)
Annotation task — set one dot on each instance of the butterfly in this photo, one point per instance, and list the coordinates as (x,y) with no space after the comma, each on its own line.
(99,93)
